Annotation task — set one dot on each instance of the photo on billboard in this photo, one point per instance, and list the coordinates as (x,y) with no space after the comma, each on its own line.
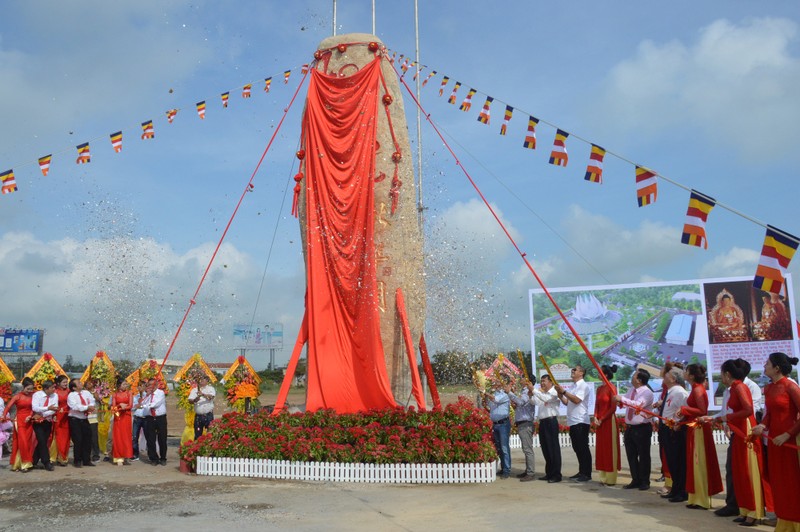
(645,325)
(258,337)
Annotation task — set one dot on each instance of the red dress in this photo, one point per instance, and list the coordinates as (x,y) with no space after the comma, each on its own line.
(607,434)
(782,399)
(746,460)
(60,432)
(703,478)
(24,438)
(122,444)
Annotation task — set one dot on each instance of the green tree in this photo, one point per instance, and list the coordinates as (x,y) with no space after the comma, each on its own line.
(451,367)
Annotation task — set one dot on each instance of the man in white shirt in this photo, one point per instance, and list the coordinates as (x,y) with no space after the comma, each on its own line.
(675,442)
(81,405)
(578,421)
(155,423)
(139,414)
(547,400)
(639,429)
(202,397)
(44,404)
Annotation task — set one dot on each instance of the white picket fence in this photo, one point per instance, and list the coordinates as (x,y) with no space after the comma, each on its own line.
(339,472)
(563,439)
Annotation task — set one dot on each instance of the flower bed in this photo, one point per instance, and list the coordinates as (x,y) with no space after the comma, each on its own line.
(459,434)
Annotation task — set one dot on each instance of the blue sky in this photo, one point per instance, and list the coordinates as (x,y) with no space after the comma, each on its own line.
(107,255)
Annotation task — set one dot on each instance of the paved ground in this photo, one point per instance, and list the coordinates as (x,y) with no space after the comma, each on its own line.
(143,497)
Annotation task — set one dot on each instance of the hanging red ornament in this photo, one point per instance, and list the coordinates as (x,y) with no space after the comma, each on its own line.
(397,157)
(387,99)
(318,55)
(301,154)
(342,48)
(298,177)
(373,47)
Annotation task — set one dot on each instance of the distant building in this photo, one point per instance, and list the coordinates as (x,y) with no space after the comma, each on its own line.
(680,330)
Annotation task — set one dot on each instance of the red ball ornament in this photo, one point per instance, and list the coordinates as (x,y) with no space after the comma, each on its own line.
(342,48)
(301,154)
(397,157)
(372,47)
(387,99)
(298,177)
(318,55)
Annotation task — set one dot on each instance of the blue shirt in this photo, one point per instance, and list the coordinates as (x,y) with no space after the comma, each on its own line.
(498,407)
(524,409)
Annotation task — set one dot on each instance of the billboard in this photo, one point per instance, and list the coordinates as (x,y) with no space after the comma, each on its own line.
(21,340)
(258,337)
(644,325)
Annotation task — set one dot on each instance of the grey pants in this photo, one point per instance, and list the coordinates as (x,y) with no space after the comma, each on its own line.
(525,431)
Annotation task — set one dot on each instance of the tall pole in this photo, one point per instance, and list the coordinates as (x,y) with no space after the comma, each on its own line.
(373,17)
(420,205)
(334,17)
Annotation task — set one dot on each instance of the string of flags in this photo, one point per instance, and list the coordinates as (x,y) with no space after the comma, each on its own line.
(778,248)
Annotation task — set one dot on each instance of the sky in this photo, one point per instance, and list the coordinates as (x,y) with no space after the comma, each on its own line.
(107,255)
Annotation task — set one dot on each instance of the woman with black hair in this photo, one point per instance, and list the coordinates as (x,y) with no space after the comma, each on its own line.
(606,458)
(702,467)
(24,439)
(782,422)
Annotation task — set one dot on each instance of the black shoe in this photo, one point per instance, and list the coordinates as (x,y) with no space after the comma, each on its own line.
(630,486)
(77,464)
(527,478)
(553,480)
(740,519)
(544,478)
(726,511)
(659,479)
(668,495)
(164,462)
(522,475)
(679,498)
(582,478)
(694,506)
(50,467)
(106,459)
(90,464)
(502,475)
(748,523)
(576,475)
(644,487)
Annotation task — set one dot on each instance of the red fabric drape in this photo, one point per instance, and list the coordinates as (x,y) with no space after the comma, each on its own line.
(428,369)
(346,366)
(302,338)
(416,382)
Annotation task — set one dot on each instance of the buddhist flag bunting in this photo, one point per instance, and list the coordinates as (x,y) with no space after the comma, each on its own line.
(485,113)
(777,253)
(84,156)
(425,81)
(147,128)
(225,97)
(452,98)
(116,141)
(594,170)
(267,83)
(304,69)
(286,76)
(9,184)
(416,74)
(530,138)
(694,229)
(246,90)
(506,119)
(445,80)
(171,115)
(646,186)
(44,164)
(467,103)
(201,110)
(404,66)
(559,155)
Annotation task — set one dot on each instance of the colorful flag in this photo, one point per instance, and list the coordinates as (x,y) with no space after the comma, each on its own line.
(267,83)
(304,69)
(467,103)
(9,183)
(417,73)
(559,155)
(201,109)
(286,76)
(171,115)
(225,96)
(777,253)
(147,128)
(452,98)
(485,113)
(44,163)
(530,138)
(506,120)
(594,170)
(84,156)
(445,80)
(425,81)
(694,229)
(646,186)
(246,90)
(404,66)
(116,141)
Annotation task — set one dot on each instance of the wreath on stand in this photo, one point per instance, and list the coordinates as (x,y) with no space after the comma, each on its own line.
(187,379)
(242,386)
(6,378)
(45,369)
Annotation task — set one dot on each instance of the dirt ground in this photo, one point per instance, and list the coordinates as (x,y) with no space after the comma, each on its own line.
(143,497)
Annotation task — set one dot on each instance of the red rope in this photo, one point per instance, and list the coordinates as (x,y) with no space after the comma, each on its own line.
(248,188)
(508,235)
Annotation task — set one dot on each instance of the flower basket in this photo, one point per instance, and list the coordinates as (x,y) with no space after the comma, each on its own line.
(503,370)
(6,378)
(186,378)
(149,370)
(242,386)
(46,368)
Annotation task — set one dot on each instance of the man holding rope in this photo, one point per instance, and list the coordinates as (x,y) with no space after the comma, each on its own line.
(639,429)
(578,421)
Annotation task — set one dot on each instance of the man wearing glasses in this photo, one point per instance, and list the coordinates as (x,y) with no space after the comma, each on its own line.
(578,422)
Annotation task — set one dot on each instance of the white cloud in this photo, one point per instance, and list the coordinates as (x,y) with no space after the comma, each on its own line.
(736,262)
(736,83)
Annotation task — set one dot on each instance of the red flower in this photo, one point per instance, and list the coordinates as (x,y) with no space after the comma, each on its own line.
(48,357)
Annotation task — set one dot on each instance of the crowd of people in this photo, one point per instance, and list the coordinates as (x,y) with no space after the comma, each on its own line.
(64,412)
(763,458)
